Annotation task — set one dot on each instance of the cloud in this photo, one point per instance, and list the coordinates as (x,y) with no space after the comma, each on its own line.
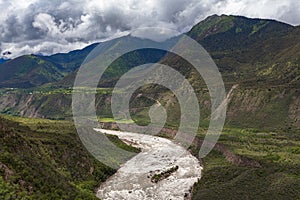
(47,27)
(287,11)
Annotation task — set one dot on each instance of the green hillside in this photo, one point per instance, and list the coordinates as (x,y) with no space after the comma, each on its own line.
(72,60)
(251,50)
(44,159)
(261,57)
(277,177)
(28,71)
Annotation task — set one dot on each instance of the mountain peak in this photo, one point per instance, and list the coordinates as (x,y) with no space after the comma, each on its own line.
(217,24)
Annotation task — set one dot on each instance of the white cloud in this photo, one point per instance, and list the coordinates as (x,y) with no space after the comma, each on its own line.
(287,11)
(38,26)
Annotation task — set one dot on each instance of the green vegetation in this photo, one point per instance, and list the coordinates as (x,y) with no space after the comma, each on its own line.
(44,159)
(110,120)
(212,25)
(259,55)
(277,178)
(114,139)
(28,71)
(32,70)
(164,174)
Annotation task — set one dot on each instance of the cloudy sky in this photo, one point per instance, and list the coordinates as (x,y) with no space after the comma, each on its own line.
(47,27)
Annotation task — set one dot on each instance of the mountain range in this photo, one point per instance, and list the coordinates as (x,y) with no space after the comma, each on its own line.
(259,63)
(261,56)
(244,49)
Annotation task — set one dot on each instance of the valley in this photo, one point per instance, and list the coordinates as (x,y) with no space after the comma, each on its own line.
(256,157)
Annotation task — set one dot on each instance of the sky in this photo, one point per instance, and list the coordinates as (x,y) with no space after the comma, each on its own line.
(48,27)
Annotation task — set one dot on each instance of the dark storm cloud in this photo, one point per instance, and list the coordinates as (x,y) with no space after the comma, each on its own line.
(39,26)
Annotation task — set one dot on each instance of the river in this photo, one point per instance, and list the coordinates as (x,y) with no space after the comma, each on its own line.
(134,179)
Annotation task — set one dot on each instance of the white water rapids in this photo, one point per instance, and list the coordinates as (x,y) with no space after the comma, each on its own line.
(133,180)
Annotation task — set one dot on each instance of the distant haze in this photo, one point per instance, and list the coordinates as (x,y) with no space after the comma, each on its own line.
(47,27)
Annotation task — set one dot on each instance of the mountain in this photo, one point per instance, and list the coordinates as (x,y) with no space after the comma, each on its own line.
(28,71)
(245,50)
(35,70)
(261,56)
(259,62)
(231,32)
(253,49)
(72,60)
(122,64)
(59,70)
